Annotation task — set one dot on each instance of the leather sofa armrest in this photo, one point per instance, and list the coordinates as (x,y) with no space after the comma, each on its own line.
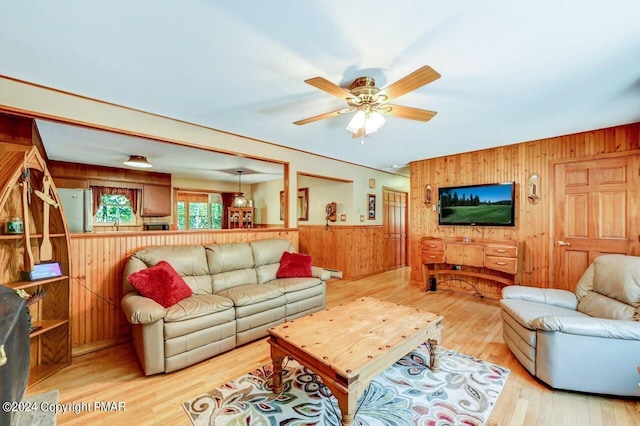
(589,326)
(141,310)
(549,296)
(318,272)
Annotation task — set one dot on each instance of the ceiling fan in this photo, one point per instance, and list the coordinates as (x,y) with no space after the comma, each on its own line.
(371,103)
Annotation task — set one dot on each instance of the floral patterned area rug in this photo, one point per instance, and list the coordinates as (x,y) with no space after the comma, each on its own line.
(463,392)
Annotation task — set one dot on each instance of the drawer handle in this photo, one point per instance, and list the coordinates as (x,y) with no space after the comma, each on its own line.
(501,251)
(502,263)
(432,246)
(431,257)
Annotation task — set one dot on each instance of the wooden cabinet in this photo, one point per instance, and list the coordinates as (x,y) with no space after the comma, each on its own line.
(44,240)
(432,251)
(495,255)
(502,257)
(469,254)
(240,217)
(156,200)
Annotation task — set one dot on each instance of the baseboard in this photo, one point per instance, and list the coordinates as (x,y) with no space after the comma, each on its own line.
(334,273)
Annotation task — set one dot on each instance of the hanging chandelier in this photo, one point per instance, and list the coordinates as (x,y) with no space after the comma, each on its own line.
(239,201)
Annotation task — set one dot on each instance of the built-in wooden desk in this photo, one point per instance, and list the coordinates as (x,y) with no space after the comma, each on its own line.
(497,255)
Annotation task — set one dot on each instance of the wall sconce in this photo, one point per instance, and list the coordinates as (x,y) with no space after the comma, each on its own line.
(428,197)
(533,191)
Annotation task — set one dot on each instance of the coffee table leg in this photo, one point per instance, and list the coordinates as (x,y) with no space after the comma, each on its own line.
(347,401)
(277,358)
(434,352)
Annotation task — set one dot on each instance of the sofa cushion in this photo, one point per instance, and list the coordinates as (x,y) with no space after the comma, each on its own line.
(186,260)
(196,306)
(251,294)
(524,312)
(230,279)
(229,257)
(189,261)
(161,283)
(294,265)
(618,277)
(266,252)
(290,285)
(599,306)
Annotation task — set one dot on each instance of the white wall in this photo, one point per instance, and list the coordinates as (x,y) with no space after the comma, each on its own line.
(266,201)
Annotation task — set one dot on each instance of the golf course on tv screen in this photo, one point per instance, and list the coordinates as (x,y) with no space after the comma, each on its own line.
(488,205)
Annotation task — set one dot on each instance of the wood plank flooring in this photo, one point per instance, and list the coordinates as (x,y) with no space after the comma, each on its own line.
(471,325)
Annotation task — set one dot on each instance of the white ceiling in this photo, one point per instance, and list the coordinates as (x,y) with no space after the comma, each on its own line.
(512,71)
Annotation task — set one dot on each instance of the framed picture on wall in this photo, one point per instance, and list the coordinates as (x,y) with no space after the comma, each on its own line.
(371,200)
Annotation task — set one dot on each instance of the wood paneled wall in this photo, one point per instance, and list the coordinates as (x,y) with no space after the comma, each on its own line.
(97,263)
(508,163)
(354,250)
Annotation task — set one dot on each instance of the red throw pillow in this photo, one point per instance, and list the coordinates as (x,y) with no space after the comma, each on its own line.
(294,265)
(161,283)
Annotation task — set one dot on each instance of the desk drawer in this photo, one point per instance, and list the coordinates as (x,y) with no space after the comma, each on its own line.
(500,250)
(432,257)
(432,245)
(504,264)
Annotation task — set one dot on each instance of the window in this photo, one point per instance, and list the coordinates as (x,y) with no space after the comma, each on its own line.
(115,209)
(195,210)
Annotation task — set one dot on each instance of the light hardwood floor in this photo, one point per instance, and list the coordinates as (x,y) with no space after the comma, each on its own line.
(471,325)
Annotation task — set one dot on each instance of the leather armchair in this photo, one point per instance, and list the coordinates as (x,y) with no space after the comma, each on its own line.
(588,340)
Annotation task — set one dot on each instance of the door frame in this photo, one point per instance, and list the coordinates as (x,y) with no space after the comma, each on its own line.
(405,226)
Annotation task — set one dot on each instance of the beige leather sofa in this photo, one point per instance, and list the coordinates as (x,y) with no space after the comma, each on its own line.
(586,341)
(236,298)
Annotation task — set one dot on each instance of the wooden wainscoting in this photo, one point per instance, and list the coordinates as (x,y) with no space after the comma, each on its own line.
(97,263)
(534,227)
(355,250)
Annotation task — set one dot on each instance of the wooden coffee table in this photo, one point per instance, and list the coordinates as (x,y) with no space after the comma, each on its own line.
(350,344)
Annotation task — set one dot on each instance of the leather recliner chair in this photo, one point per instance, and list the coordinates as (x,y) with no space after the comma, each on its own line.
(587,341)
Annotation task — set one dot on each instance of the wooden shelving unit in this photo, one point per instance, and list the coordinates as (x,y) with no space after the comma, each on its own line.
(50,340)
(240,217)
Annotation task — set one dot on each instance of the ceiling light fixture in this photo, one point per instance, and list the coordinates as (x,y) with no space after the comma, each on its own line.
(368,103)
(239,201)
(138,161)
(367,122)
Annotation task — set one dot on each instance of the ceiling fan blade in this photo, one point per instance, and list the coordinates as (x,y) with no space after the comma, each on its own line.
(359,133)
(408,112)
(319,117)
(416,79)
(329,87)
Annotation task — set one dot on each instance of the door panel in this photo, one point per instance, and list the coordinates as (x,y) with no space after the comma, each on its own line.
(394,223)
(591,213)
(577,210)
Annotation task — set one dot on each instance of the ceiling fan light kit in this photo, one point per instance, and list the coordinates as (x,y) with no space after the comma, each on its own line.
(138,161)
(370,103)
(370,121)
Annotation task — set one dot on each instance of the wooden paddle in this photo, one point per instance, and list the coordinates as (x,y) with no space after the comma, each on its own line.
(46,252)
(28,254)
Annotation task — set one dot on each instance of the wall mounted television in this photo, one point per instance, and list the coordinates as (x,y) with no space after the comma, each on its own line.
(477,205)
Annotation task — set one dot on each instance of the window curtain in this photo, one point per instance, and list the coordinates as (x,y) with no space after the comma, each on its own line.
(192,197)
(98,191)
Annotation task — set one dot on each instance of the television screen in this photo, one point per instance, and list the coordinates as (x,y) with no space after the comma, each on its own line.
(478,205)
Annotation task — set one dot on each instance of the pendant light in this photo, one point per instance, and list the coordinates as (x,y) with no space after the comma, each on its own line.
(239,201)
